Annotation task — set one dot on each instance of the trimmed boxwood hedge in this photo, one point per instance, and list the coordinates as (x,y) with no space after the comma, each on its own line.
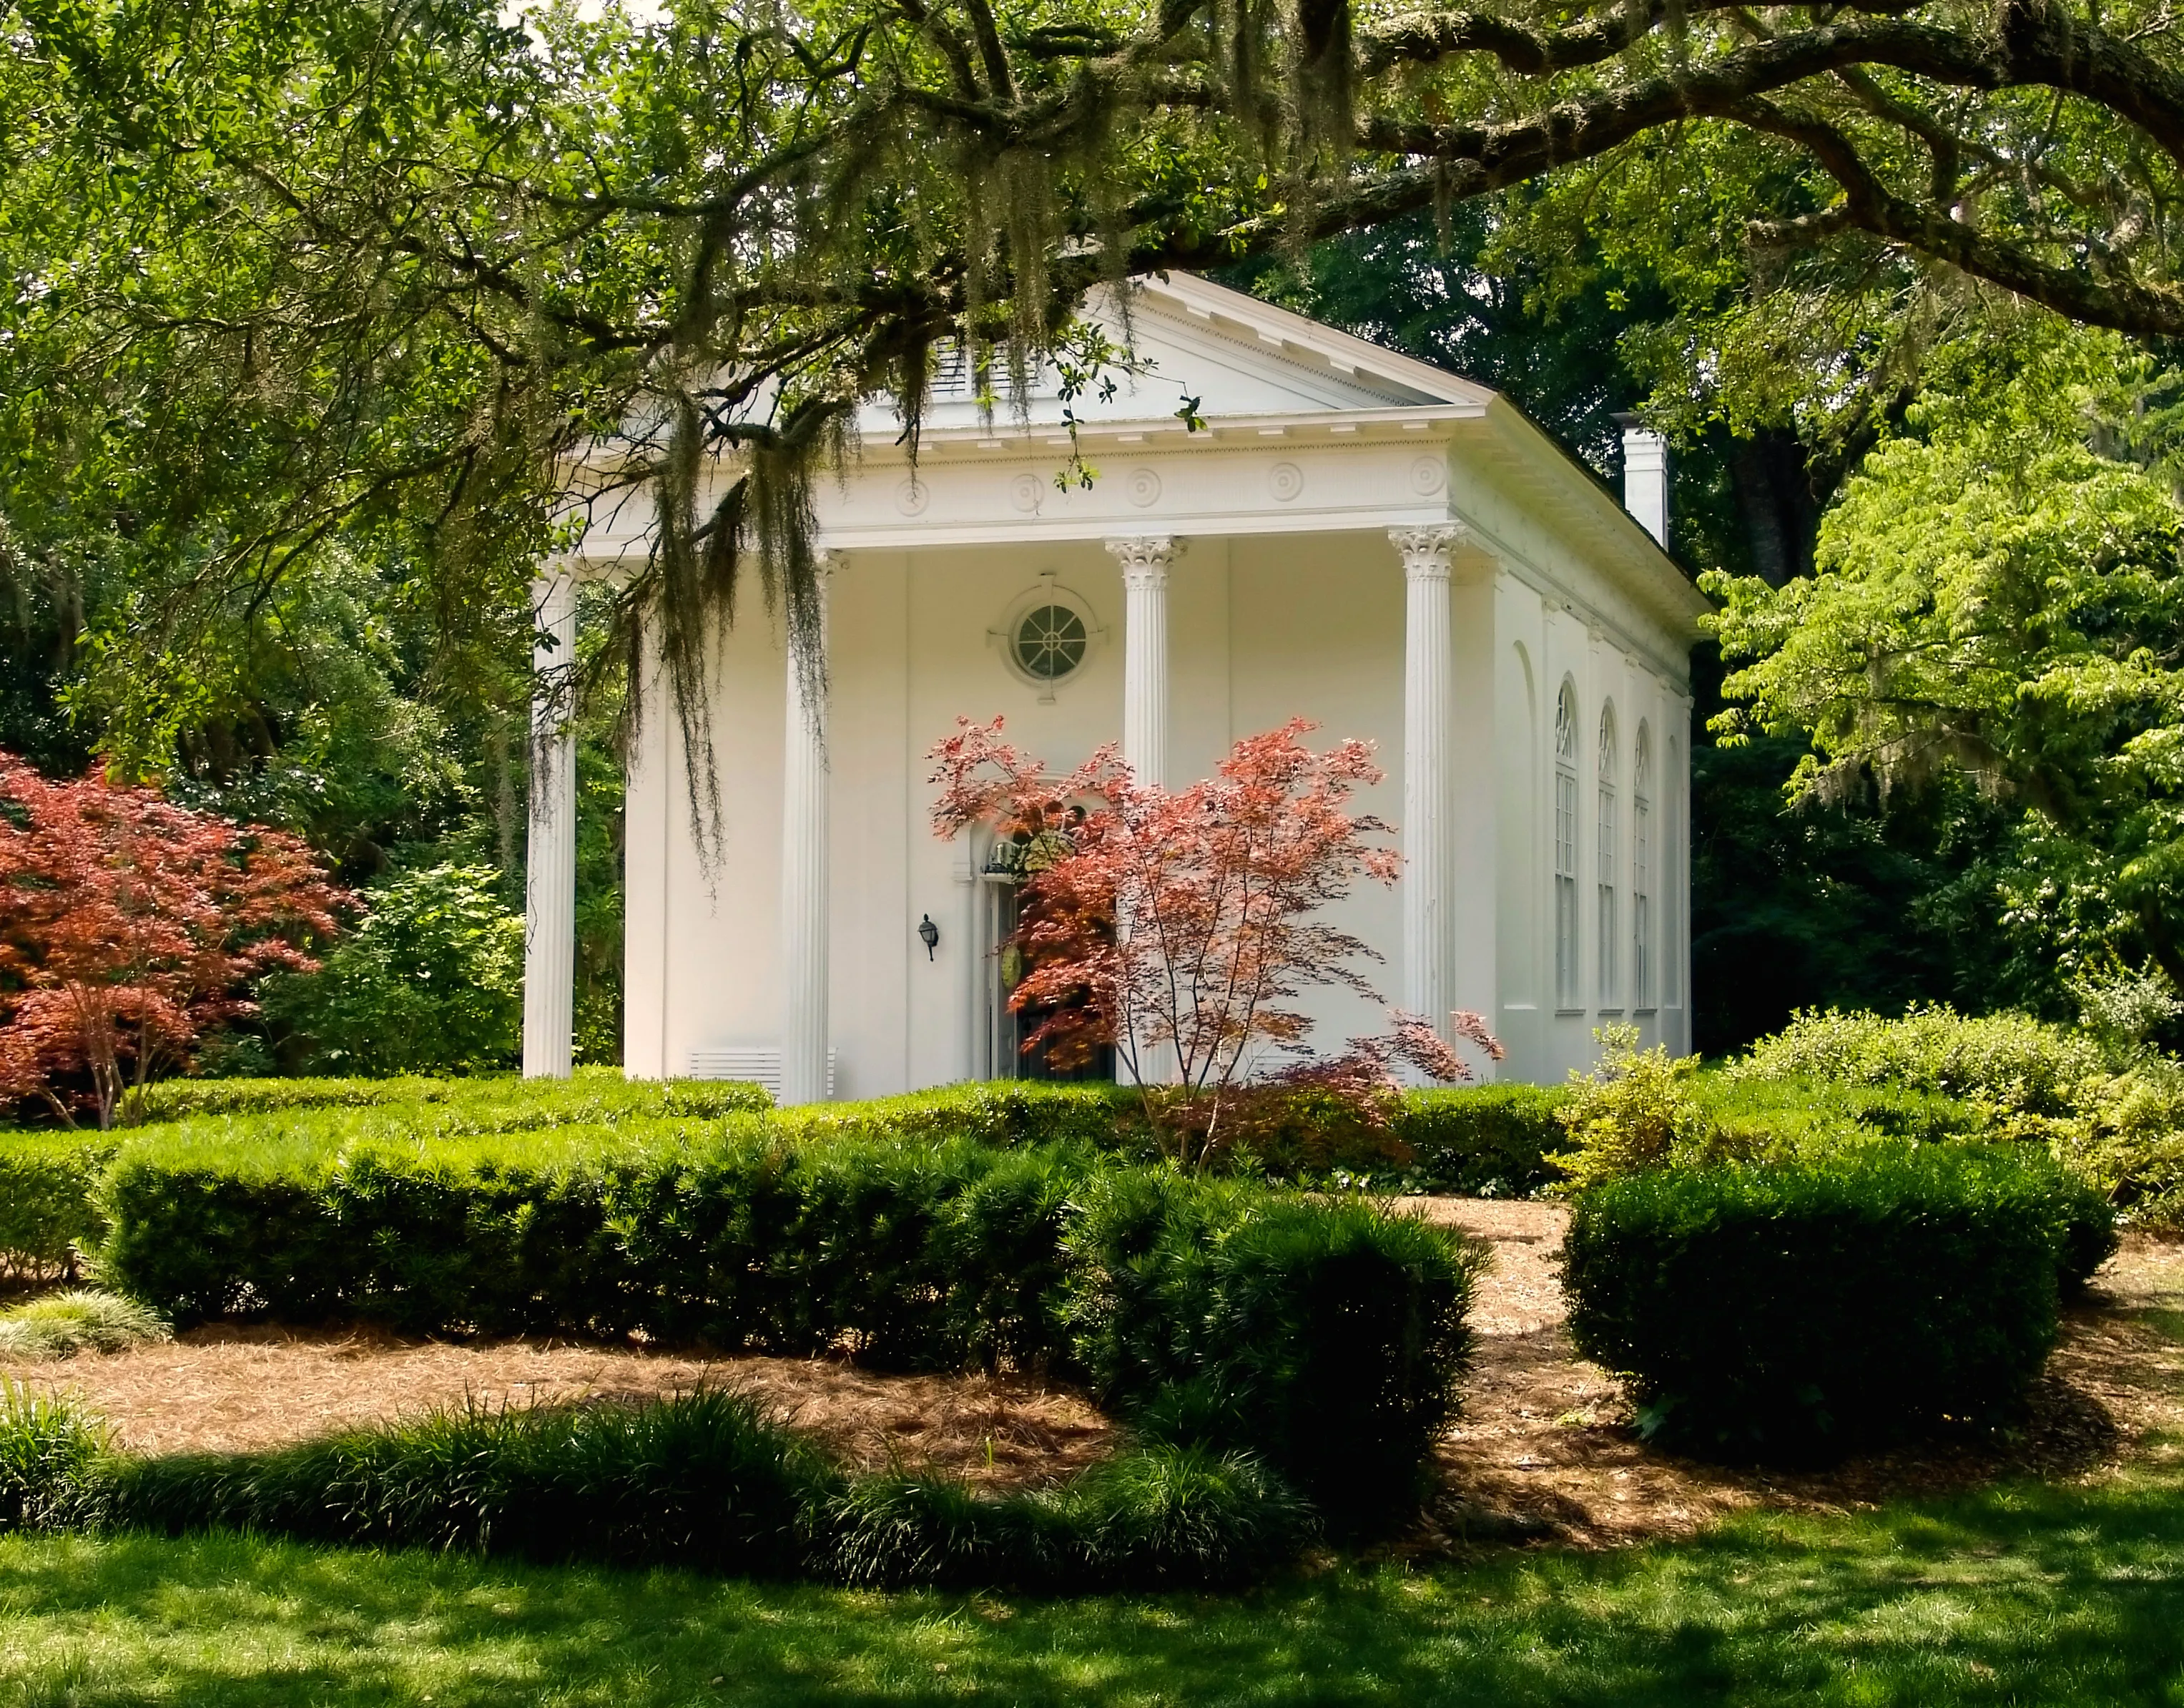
(1324,1335)
(1797,1311)
(48,1182)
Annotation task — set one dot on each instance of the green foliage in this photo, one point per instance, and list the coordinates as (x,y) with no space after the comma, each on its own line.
(51,1454)
(2007,1064)
(1794,1114)
(2113,1112)
(1001,1112)
(47,1182)
(1997,606)
(430,981)
(439,1108)
(1492,1142)
(60,1325)
(1152,1516)
(1326,1337)
(1489,1140)
(1632,1112)
(1799,1310)
(703,1479)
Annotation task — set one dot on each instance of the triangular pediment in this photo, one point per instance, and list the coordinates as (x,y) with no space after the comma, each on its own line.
(1234,354)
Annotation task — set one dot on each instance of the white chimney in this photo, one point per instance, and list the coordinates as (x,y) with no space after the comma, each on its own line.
(1645,477)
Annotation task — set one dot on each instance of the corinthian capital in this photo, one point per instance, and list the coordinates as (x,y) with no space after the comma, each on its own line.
(1145,558)
(1425,550)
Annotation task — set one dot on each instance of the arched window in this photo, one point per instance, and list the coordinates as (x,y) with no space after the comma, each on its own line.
(1610,847)
(1567,994)
(1641,872)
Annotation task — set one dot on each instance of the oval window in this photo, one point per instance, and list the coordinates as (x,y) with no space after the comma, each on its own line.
(1050,642)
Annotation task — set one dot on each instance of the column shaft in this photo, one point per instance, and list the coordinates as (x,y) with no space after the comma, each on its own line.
(1145,655)
(549,934)
(804,848)
(1427,829)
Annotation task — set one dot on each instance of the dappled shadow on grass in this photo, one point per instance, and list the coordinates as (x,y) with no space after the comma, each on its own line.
(2025,1593)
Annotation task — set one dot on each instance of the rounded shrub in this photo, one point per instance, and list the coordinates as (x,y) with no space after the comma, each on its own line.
(1797,1311)
(1327,1338)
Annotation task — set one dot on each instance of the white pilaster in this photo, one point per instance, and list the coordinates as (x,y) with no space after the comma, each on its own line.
(804,851)
(1427,829)
(1144,563)
(549,926)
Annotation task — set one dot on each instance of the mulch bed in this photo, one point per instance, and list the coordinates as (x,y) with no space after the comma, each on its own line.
(1545,1449)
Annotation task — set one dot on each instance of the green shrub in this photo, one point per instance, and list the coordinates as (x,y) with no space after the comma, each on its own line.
(1483,1140)
(47,1197)
(61,1324)
(1785,1115)
(1326,1337)
(1634,1111)
(1007,1112)
(427,1108)
(430,981)
(2128,1140)
(1799,1310)
(52,1453)
(1493,1141)
(2010,1064)
(705,1231)
(2107,1107)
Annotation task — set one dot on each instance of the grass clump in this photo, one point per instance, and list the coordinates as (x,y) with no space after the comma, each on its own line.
(63,1324)
(53,1452)
(704,1480)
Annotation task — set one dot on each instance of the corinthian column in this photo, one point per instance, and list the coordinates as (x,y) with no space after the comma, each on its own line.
(1427,829)
(803,873)
(549,882)
(1144,653)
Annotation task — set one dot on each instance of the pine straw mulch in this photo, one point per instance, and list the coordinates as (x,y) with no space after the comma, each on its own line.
(1545,1449)
(224,1388)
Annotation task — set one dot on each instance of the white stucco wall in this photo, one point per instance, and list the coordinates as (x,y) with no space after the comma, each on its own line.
(1286,601)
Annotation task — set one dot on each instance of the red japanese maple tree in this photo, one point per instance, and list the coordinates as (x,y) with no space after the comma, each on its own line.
(1180,926)
(128,926)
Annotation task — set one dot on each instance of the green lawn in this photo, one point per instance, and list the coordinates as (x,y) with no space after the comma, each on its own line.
(2022,1595)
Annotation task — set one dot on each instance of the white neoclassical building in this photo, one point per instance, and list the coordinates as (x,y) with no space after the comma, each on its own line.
(1353,537)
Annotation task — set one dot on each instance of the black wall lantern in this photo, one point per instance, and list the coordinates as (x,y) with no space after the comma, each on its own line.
(929,935)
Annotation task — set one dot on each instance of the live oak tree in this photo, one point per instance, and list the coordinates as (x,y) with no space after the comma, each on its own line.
(299,267)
